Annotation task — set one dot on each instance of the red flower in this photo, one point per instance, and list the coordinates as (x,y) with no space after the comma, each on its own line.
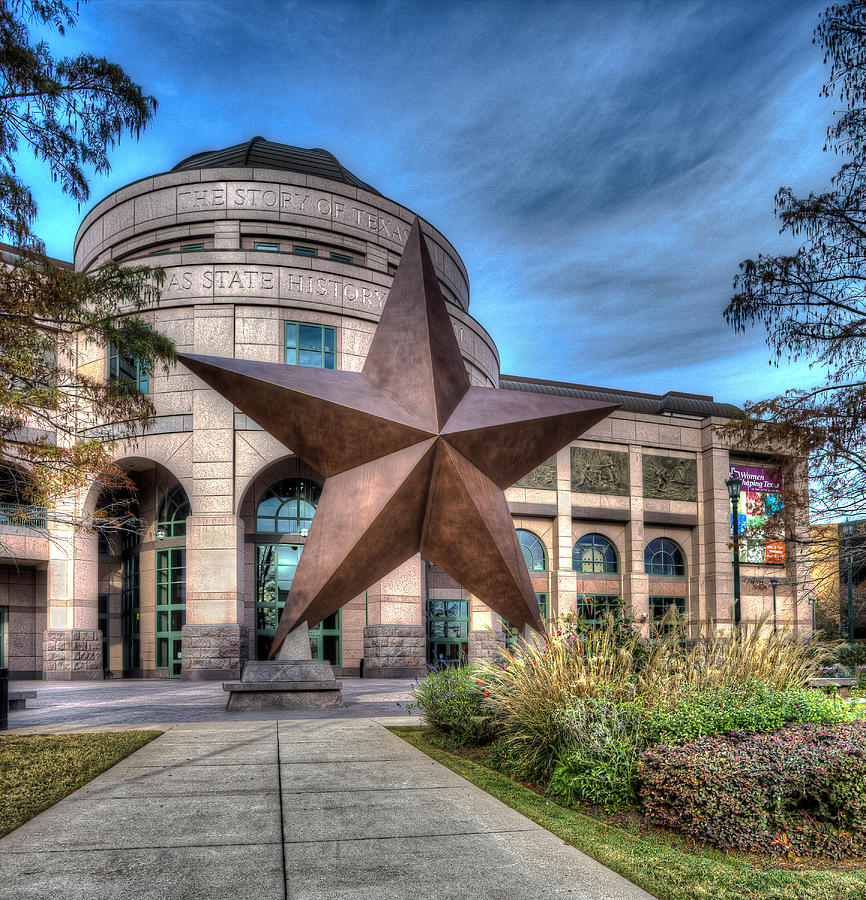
(487,693)
(477,681)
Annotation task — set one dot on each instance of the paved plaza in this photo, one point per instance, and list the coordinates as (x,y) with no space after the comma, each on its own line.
(249,807)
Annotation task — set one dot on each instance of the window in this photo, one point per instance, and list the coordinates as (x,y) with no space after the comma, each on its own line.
(512,634)
(188,248)
(311,345)
(305,251)
(129,369)
(275,570)
(160,252)
(660,605)
(447,631)
(593,608)
(130,611)
(663,557)
(267,246)
(173,512)
(594,555)
(341,257)
(533,551)
(288,506)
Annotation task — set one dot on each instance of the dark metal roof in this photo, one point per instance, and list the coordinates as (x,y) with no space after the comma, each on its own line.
(672,403)
(261,154)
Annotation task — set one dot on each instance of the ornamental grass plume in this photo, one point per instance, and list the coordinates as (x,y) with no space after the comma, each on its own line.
(546,675)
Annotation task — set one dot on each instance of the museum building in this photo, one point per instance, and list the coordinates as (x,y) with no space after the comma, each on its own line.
(280,254)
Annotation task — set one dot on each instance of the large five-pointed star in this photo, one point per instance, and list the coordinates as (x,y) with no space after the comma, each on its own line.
(414,458)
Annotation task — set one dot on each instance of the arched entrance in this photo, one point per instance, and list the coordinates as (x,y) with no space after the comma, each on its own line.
(283,517)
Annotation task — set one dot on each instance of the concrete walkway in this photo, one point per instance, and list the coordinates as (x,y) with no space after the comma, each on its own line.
(296,809)
(139,702)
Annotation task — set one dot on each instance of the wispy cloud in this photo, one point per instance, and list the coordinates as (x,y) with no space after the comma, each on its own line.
(601,168)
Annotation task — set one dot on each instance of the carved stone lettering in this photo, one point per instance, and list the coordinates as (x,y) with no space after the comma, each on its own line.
(542,477)
(599,471)
(341,291)
(669,478)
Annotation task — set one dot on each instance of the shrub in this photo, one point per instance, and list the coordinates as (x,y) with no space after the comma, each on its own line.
(600,761)
(800,790)
(449,698)
(750,708)
(851,655)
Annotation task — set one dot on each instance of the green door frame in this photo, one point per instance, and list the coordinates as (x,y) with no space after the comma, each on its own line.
(447,631)
(104,602)
(170,608)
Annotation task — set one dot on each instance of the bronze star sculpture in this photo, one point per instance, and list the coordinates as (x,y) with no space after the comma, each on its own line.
(414,458)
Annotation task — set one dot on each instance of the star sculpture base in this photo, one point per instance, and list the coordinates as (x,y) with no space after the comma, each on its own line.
(294,680)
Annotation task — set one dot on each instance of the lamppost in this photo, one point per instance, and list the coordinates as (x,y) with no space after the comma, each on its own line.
(848,534)
(774,582)
(733,485)
(811,602)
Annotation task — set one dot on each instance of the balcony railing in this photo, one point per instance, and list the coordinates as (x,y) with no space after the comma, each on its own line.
(23,516)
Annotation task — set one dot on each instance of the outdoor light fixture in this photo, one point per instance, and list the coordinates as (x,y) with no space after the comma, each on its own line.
(733,485)
(305,532)
(160,535)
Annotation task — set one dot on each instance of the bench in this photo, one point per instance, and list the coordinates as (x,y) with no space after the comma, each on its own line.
(18,699)
(842,684)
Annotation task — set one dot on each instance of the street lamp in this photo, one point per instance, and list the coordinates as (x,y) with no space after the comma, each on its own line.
(774,582)
(733,485)
(848,534)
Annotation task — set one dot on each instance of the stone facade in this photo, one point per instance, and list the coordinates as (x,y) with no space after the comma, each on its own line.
(72,655)
(250,253)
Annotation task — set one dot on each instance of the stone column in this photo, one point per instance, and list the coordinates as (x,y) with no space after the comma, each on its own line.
(563,578)
(395,642)
(717,575)
(214,642)
(634,579)
(72,643)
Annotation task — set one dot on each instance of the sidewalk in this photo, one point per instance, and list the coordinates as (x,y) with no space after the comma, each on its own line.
(326,809)
(141,702)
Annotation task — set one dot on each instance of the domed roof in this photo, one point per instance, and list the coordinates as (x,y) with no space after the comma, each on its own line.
(261,154)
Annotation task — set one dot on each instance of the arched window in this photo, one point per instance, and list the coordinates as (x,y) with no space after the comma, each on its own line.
(594,555)
(533,551)
(288,506)
(173,512)
(664,557)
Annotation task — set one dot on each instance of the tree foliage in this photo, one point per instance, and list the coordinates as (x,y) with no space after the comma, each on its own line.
(812,304)
(57,418)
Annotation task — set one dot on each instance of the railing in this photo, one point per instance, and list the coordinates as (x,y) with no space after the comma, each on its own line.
(23,516)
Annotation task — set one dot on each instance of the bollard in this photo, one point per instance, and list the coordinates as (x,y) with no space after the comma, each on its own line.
(4,699)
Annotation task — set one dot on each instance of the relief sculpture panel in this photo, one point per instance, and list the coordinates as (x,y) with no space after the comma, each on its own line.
(599,471)
(543,476)
(670,478)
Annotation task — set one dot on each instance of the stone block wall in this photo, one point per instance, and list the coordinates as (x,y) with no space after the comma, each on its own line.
(485,645)
(213,652)
(394,651)
(72,654)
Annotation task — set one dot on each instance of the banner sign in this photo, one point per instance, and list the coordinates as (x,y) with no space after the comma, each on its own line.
(760,496)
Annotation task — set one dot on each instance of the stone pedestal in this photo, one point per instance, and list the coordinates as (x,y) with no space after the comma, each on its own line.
(291,681)
(213,652)
(72,654)
(394,651)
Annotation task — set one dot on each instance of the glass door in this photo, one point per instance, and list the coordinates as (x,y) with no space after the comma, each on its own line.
(170,608)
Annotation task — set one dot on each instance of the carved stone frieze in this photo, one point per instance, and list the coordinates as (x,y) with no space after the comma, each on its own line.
(542,477)
(669,478)
(599,471)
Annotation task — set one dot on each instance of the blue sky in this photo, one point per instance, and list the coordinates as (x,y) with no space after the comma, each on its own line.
(601,167)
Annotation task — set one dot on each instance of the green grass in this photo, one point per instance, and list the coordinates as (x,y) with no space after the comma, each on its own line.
(37,770)
(660,863)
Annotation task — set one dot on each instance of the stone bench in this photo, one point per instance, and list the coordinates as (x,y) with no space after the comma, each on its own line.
(842,684)
(18,699)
